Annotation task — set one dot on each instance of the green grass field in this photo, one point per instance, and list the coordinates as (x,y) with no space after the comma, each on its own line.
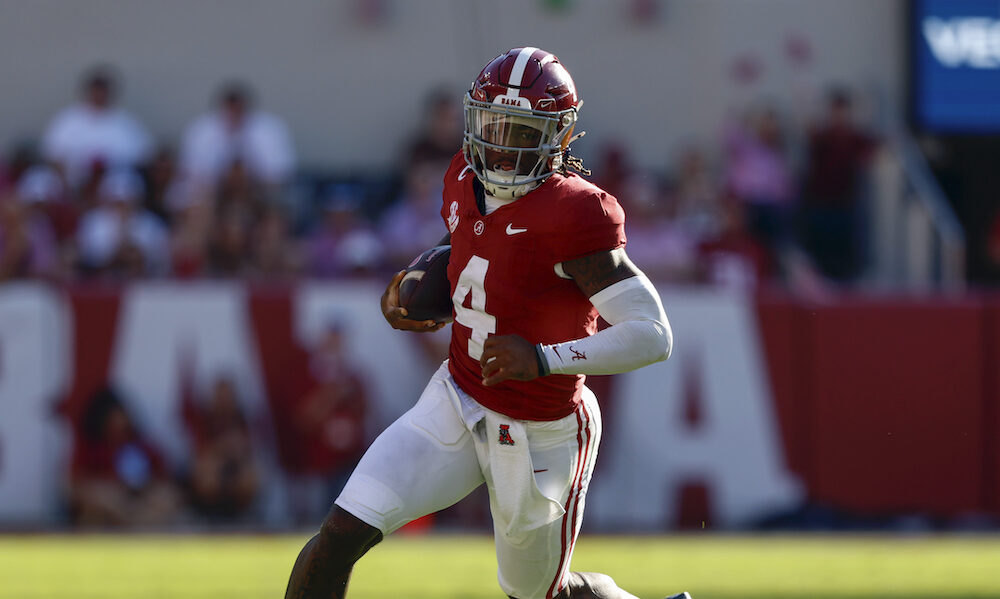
(441,567)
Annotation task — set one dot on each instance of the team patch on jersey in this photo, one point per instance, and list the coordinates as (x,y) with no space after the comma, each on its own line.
(453,217)
(505,438)
(479,227)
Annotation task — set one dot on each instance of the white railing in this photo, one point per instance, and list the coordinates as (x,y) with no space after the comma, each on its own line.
(917,242)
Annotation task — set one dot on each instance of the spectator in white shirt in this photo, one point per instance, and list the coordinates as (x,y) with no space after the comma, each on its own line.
(236,131)
(94,134)
(119,236)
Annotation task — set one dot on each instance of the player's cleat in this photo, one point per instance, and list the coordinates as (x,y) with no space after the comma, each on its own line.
(679,596)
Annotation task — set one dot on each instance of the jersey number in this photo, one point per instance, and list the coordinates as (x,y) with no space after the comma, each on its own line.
(473,280)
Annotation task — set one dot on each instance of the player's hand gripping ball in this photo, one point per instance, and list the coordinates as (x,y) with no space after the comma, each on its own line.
(425,292)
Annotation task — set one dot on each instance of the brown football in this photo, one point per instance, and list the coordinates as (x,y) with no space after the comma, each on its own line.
(425,291)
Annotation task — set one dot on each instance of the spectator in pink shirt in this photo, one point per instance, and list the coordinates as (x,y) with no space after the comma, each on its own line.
(760,175)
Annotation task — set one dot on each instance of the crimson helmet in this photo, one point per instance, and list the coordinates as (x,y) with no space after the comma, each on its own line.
(519,118)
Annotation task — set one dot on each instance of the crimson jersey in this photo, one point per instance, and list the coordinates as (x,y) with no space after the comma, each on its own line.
(503,281)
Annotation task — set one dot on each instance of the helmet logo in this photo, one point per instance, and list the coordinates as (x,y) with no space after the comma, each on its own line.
(518,101)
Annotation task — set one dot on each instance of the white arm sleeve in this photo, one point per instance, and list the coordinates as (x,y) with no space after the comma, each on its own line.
(639,333)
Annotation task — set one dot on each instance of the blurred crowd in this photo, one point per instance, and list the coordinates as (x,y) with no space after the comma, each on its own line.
(238,456)
(773,202)
(98,198)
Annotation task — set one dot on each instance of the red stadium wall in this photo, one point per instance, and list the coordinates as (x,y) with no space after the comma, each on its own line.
(888,406)
(872,406)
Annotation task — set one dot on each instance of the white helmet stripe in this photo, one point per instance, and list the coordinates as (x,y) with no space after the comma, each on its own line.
(517,72)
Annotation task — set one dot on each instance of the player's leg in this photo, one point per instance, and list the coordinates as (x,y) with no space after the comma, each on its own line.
(592,585)
(324,565)
(424,462)
(563,458)
(563,453)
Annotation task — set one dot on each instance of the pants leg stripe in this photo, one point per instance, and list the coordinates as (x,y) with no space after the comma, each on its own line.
(575,522)
(571,498)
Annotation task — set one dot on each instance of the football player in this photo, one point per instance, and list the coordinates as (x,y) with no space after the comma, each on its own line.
(537,254)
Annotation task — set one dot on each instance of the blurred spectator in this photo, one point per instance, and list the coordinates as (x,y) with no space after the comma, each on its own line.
(118,479)
(95,134)
(657,242)
(329,424)
(343,244)
(440,135)
(695,195)
(832,220)
(160,175)
(28,246)
(614,171)
(41,184)
(22,157)
(119,237)
(225,477)
(414,223)
(42,188)
(240,201)
(734,257)
(237,189)
(192,215)
(237,131)
(229,243)
(759,174)
(273,255)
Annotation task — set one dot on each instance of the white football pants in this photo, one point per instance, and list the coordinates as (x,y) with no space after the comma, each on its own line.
(445,446)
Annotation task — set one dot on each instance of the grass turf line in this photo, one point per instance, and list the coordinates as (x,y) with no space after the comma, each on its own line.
(453,567)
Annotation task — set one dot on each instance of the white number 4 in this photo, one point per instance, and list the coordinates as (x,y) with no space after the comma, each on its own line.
(473,280)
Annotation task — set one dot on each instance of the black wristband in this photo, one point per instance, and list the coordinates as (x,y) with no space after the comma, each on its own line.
(543,364)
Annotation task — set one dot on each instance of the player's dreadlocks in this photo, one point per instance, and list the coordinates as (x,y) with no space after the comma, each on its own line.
(572,162)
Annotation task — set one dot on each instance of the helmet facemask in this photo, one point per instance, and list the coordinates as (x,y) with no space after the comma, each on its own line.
(512,150)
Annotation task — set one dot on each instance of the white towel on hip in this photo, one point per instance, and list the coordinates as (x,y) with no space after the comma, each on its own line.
(519,503)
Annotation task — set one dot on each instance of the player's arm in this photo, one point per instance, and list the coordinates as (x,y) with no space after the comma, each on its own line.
(395,315)
(639,333)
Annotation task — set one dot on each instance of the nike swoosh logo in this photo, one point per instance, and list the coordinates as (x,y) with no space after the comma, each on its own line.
(465,171)
(512,231)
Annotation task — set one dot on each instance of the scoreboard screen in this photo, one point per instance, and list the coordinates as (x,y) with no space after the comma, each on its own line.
(955,60)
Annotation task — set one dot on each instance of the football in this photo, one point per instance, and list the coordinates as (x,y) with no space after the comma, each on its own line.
(425,291)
